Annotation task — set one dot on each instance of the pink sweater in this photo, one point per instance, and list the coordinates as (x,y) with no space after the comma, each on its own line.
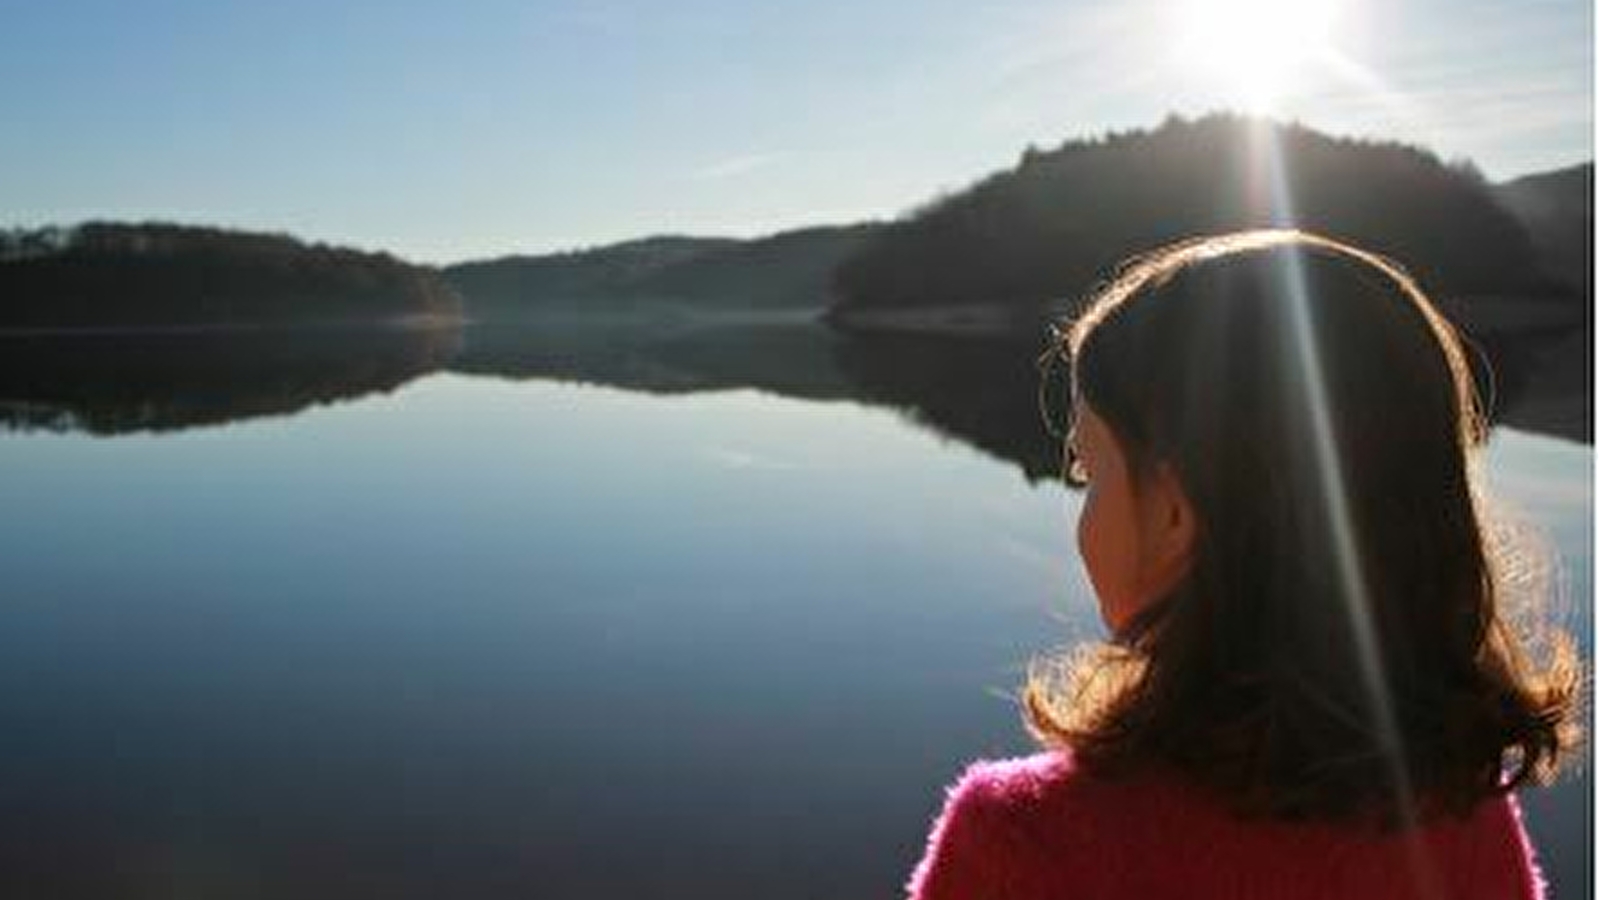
(1040,828)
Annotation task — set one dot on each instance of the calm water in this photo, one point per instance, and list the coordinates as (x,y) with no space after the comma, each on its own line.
(479,638)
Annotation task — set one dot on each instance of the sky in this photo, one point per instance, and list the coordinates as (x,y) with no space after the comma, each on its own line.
(442,132)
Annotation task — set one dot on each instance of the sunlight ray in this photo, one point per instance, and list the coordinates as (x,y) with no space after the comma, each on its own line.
(1304,354)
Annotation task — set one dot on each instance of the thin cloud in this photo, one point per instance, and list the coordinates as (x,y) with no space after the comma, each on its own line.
(732,458)
(734,166)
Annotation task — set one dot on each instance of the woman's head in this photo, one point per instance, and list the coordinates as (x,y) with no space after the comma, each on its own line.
(1282,528)
(1137,531)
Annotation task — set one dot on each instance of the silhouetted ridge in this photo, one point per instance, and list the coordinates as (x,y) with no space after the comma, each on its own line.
(1048,229)
(1556,208)
(112,275)
(503,286)
(789,270)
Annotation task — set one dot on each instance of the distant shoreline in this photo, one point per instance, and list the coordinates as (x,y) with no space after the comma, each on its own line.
(400,323)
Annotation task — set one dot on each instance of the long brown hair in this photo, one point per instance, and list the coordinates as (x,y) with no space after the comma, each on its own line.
(1339,645)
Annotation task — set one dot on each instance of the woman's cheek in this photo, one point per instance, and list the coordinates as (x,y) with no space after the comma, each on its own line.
(1085,528)
(1091,549)
(1105,558)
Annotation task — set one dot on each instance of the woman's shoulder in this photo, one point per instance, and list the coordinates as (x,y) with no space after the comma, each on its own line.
(1043,826)
(1007,823)
(1022,790)
(1018,781)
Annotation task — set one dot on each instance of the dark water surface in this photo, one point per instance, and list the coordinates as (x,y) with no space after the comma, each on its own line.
(482,638)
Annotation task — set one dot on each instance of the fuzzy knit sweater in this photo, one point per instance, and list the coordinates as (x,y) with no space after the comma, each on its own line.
(1039,828)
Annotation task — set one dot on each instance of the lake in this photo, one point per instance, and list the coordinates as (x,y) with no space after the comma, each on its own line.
(469,636)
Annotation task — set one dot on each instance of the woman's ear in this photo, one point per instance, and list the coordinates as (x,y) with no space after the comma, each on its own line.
(1169,532)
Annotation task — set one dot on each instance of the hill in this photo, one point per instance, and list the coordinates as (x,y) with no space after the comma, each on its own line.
(106,275)
(1027,238)
(1556,208)
(504,287)
(790,270)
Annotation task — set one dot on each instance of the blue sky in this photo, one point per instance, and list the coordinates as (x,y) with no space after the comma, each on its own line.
(450,131)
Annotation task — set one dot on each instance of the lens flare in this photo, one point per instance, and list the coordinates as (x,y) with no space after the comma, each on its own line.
(1254,49)
(1303,358)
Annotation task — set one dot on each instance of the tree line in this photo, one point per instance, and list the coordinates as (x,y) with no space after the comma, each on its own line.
(104,274)
(1041,234)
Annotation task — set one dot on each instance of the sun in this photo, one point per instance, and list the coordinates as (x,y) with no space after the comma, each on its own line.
(1254,50)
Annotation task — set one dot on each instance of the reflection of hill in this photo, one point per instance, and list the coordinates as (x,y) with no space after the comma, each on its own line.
(1528,343)
(784,355)
(114,384)
(981,391)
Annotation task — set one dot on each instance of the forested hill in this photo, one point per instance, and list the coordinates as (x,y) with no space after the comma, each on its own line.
(504,285)
(110,275)
(789,270)
(1557,209)
(1047,229)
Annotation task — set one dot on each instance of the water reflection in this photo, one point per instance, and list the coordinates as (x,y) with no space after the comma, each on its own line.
(487,642)
(506,639)
(522,633)
(793,357)
(980,391)
(109,383)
